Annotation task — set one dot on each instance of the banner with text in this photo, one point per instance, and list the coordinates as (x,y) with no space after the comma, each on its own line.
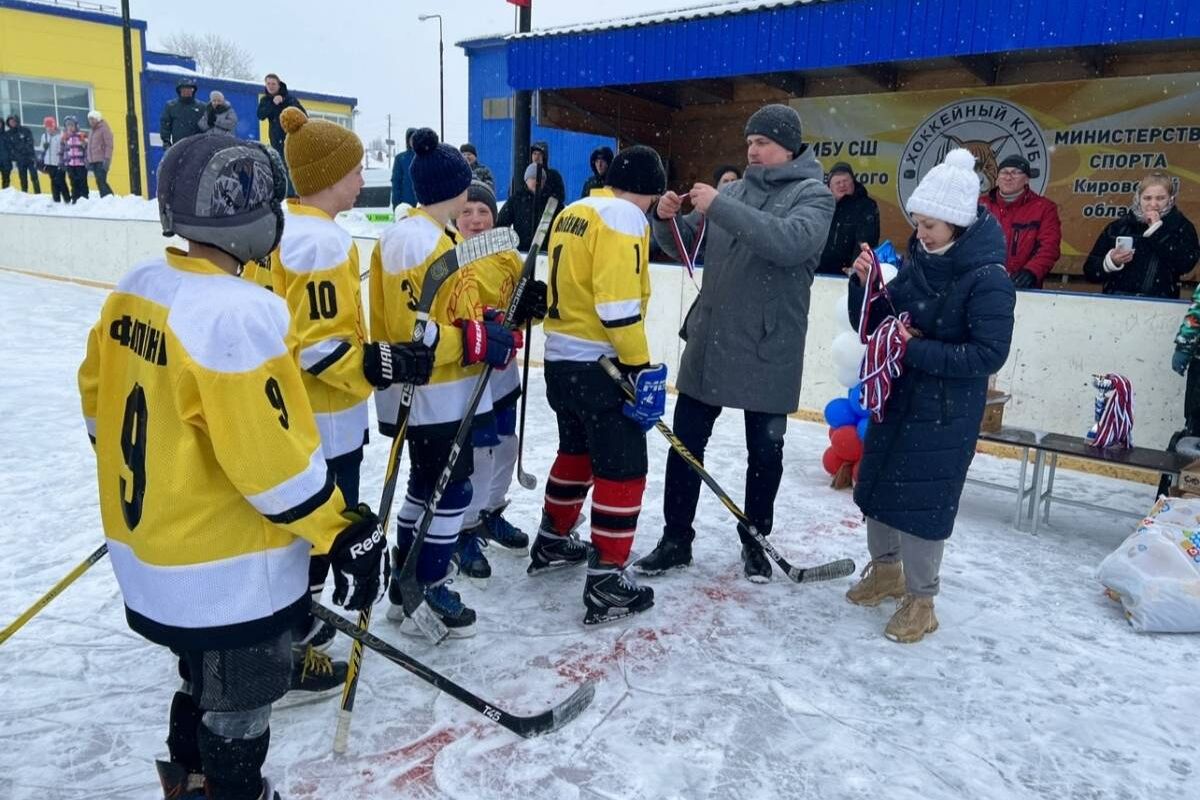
(1089,142)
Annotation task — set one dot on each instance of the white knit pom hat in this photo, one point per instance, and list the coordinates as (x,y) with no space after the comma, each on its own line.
(949,191)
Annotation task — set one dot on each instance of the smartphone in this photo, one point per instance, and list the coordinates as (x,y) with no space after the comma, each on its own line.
(1124,242)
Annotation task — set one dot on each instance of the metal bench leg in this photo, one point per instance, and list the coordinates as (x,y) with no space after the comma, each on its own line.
(1050,488)
(1021,491)
(1035,501)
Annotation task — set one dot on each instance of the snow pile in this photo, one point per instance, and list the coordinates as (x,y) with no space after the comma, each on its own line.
(14,201)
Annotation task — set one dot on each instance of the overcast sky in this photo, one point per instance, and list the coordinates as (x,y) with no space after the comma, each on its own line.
(375,51)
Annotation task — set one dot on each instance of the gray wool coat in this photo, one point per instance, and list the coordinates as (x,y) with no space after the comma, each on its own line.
(745,333)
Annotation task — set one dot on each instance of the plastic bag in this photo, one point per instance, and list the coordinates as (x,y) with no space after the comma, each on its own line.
(1155,573)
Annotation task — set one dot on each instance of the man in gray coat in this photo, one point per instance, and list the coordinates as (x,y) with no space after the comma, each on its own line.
(745,333)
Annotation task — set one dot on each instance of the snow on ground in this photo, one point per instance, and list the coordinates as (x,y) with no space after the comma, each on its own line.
(1033,687)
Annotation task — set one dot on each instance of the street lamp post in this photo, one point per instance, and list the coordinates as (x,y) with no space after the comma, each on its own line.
(441,75)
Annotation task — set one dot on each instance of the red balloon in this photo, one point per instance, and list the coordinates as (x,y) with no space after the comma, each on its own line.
(831,461)
(846,443)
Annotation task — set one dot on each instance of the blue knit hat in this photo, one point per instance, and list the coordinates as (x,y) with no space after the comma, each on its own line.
(439,172)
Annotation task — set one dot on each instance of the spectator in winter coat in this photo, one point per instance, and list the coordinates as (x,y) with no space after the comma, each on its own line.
(5,160)
(73,157)
(855,221)
(22,152)
(539,153)
(525,205)
(100,151)
(270,106)
(915,460)
(1164,246)
(219,116)
(725,173)
(180,117)
(601,158)
(402,184)
(1032,232)
(479,172)
(744,335)
(1187,350)
(51,158)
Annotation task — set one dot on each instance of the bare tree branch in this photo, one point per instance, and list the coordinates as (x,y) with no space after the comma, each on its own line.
(214,54)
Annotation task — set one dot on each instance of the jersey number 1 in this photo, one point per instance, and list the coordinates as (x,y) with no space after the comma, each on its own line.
(133,448)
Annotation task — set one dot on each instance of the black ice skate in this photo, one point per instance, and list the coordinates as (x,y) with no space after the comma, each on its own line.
(471,560)
(178,783)
(668,554)
(458,618)
(755,563)
(552,551)
(315,676)
(502,532)
(611,593)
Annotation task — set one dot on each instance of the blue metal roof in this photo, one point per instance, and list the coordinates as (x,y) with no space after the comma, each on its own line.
(845,33)
(71,13)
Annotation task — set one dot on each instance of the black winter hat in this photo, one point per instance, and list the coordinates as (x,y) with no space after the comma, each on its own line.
(1019,162)
(468,148)
(779,123)
(439,172)
(480,192)
(841,166)
(638,170)
(224,192)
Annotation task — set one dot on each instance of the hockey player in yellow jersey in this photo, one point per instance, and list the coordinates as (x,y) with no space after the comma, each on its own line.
(494,436)
(440,177)
(213,489)
(315,270)
(599,287)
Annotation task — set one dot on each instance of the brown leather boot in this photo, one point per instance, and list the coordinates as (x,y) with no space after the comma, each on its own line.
(880,580)
(912,620)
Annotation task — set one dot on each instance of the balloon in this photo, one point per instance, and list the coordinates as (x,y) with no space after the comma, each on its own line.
(846,443)
(847,352)
(862,428)
(886,253)
(839,412)
(831,462)
(856,400)
(841,314)
(846,376)
(888,271)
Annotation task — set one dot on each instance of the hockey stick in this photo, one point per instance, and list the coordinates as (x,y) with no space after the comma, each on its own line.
(527,481)
(408,586)
(482,246)
(45,599)
(547,721)
(821,572)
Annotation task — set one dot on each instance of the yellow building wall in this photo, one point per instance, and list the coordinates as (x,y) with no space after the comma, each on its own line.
(311,105)
(45,46)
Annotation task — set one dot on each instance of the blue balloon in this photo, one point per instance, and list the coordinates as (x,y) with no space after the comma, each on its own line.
(862,428)
(856,401)
(886,253)
(839,412)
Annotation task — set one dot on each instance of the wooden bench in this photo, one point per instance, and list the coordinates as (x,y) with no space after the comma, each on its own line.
(1047,447)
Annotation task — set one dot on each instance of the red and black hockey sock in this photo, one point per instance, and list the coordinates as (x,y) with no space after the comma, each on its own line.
(615,509)
(566,489)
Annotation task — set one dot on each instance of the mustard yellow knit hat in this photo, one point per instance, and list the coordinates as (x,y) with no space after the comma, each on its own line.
(319,153)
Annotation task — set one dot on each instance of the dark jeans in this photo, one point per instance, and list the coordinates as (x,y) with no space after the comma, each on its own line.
(79,187)
(26,173)
(5,174)
(101,172)
(764,466)
(58,184)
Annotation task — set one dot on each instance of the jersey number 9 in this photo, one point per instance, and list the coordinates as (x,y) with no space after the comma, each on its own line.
(132,481)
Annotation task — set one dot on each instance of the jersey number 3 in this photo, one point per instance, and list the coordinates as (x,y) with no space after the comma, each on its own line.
(133,448)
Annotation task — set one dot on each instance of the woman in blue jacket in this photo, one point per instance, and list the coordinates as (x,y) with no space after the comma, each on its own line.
(915,461)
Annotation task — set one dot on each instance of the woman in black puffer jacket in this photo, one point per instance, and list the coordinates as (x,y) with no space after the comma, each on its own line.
(1164,245)
(915,461)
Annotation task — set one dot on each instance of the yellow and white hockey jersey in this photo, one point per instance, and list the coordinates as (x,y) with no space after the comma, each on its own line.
(496,277)
(213,487)
(399,261)
(259,274)
(315,270)
(599,281)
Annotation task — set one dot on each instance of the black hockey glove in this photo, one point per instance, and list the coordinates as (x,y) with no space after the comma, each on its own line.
(532,305)
(385,364)
(1024,279)
(359,552)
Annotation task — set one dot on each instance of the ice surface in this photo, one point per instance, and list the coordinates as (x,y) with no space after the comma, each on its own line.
(1033,687)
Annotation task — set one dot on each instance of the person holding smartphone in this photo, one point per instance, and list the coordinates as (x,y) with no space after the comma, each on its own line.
(1145,251)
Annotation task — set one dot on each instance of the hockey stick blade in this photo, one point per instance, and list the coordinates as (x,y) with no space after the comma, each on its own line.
(548,721)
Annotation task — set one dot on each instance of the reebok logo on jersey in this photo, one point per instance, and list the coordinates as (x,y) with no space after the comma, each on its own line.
(360,549)
(141,337)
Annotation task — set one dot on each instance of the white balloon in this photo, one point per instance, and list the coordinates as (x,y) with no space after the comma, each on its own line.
(841,314)
(847,352)
(889,271)
(847,377)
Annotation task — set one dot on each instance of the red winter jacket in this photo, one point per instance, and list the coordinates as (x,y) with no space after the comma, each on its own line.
(1032,233)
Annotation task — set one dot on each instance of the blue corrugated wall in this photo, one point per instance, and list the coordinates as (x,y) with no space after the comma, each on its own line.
(839,33)
(569,152)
